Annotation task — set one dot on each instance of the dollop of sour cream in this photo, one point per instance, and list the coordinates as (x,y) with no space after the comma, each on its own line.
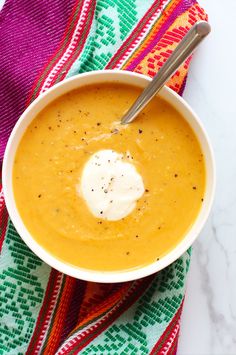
(110,185)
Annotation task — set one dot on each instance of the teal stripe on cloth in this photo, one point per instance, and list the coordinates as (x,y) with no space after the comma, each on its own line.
(23,280)
(112,25)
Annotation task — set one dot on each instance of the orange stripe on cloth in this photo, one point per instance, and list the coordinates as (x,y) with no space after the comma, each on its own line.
(98,299)
(154,30)
(162,50)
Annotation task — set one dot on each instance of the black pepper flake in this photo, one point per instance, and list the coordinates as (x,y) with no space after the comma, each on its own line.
(146,190)
(99,222)
(105,191)
(127,253)
(85,132)
(101,212)
(137,236)
(98,123)
(111,201)
(115,131)
(176,175)
(71,171)
(75,131)
(92,190)
(194,188)
(39,195)
(156,140)
(157,259)
(159,227)
(202,199)
(140,131)
(35,127)
(49,127)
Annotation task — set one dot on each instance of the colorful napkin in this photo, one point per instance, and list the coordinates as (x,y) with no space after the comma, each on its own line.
(43,311)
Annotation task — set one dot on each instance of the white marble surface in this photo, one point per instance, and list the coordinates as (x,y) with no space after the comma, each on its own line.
(209,316)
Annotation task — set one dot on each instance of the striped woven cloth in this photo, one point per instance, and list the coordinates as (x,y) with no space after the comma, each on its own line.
(43,311)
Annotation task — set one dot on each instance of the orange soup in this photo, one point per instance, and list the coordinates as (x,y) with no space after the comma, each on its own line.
(159,146)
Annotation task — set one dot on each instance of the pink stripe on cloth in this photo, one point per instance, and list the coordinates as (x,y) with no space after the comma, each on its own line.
(30,47)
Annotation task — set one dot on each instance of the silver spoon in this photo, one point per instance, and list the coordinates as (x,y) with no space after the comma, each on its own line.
(190,41)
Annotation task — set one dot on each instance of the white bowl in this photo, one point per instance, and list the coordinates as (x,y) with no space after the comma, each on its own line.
(60,89)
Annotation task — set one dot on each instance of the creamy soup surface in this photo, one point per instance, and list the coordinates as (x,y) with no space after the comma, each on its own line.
(54,151)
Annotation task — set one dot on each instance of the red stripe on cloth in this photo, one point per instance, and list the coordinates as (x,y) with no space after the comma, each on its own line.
(84,338)
(78,45)
(46,68)
(55,330)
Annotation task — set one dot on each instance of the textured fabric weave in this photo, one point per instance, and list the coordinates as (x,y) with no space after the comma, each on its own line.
(43,311)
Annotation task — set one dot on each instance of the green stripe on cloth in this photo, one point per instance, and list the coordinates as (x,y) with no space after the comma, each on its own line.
(23,279)
(114,21)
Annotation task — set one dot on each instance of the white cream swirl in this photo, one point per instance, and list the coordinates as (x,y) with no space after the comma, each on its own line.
(111,185)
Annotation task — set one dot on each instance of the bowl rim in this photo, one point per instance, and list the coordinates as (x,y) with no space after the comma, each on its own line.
(94,275)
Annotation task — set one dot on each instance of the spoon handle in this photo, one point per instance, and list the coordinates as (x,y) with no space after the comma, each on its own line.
(190,41)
